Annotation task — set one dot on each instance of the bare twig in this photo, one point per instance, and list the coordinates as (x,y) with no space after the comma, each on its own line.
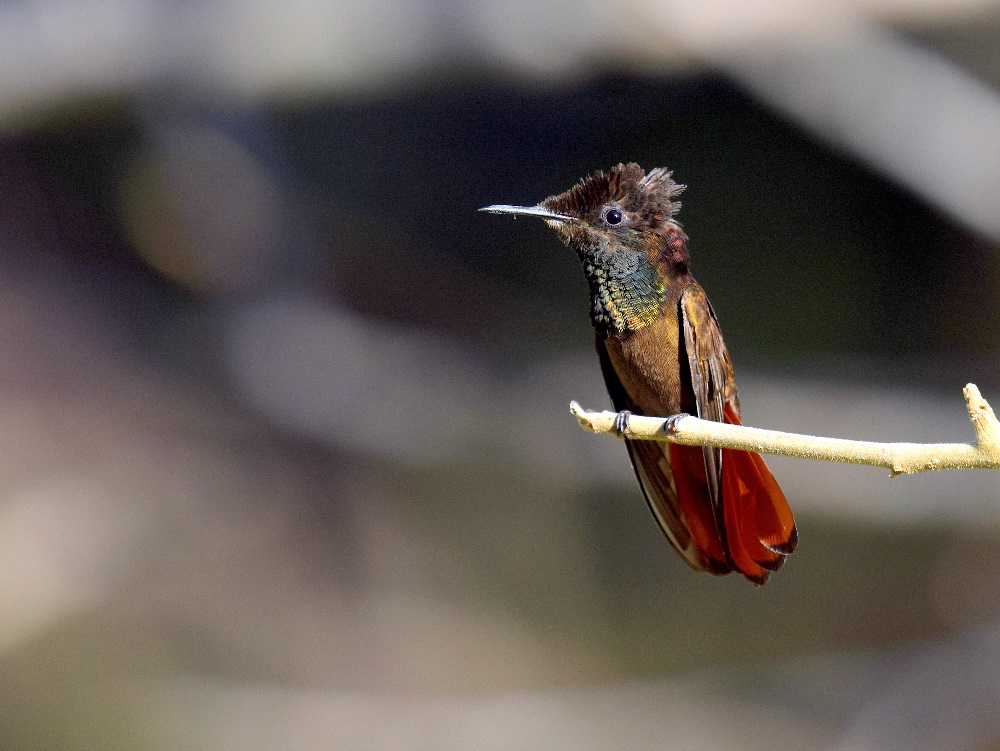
(901,458)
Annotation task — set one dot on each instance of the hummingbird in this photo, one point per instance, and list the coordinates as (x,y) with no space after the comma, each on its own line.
(661,354)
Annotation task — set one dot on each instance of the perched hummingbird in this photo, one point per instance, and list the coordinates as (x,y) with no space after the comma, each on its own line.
(661,354)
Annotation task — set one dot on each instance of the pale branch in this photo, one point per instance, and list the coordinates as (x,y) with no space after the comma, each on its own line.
(899,457)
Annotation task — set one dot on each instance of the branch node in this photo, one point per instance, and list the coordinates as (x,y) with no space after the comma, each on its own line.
(984,421)
(582,416)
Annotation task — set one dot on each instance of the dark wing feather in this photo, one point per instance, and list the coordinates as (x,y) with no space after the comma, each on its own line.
(711,376)
(683,516)
(757,527)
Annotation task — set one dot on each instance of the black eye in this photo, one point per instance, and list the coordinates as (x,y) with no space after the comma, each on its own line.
(613,216)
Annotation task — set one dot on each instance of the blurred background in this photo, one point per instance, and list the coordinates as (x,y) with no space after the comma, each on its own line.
(287,461)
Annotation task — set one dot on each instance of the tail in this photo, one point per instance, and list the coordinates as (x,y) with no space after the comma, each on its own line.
(758,523)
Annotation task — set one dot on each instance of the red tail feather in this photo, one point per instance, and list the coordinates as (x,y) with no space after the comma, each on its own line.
(688,466)
(760,529)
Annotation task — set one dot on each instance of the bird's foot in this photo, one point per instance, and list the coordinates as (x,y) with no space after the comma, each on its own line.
(621,423)
(670,424)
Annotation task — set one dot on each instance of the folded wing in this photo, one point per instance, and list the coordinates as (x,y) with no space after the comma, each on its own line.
(756,523)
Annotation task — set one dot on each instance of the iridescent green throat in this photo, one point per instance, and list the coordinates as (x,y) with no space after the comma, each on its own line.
(627,293)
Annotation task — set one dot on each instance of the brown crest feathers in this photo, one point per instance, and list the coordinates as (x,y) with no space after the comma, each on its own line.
(649,196)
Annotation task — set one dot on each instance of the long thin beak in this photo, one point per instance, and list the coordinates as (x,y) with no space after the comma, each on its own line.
(527,211)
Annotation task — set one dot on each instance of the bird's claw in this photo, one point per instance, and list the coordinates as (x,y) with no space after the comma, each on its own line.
(670,424)
(621,423)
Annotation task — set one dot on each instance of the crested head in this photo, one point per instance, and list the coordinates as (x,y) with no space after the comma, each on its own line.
(624,209)
(645,200)
(621,224)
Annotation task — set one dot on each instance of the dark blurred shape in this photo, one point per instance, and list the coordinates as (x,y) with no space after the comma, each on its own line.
(201,210)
